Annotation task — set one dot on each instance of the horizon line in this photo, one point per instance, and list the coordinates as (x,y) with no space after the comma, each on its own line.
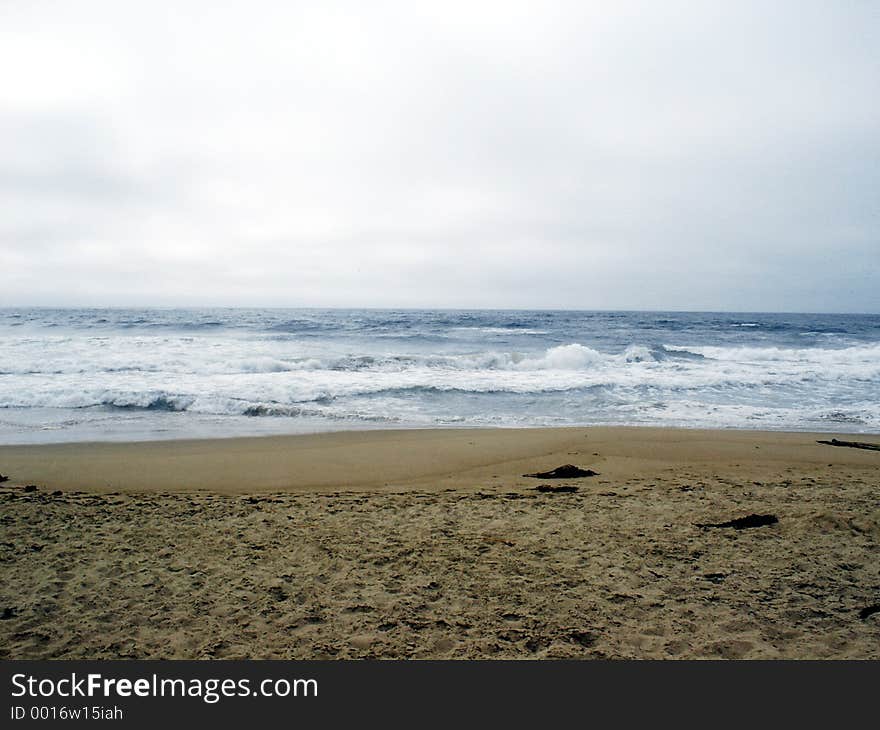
(168,307)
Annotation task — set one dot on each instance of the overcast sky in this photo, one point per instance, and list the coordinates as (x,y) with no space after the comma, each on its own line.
(623,155)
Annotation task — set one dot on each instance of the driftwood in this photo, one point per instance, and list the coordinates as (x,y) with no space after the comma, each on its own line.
(742,523)
(851,444)
(567,471)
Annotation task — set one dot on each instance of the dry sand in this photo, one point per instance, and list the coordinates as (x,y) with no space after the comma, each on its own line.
(432,544)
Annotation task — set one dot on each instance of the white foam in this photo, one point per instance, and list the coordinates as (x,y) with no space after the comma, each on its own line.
(230,375)
(638,353)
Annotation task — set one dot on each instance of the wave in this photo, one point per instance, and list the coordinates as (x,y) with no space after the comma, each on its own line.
(438,406)
(866,353)
(147,402)
(856,418)
(181,358)
(658,353)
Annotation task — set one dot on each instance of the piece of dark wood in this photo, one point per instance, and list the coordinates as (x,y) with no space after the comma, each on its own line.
(742,523)
(555,488)
(851,444)
(566,471)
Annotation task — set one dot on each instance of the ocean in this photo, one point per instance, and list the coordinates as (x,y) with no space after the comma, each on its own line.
(139,374)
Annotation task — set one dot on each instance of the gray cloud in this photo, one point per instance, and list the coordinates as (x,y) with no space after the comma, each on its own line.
(577,155)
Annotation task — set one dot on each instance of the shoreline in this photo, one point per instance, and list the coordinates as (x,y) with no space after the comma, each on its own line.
(383,460)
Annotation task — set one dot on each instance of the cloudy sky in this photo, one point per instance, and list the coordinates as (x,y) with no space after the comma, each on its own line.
(625,155)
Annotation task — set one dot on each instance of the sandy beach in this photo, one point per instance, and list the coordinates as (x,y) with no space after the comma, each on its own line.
(432,544)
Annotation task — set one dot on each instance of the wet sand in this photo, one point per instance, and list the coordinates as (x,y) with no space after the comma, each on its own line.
(431,544)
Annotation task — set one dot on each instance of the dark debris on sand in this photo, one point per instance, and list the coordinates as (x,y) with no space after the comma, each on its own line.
(566,471)
(869,611)
(851,444)
(742,523)
(555,488)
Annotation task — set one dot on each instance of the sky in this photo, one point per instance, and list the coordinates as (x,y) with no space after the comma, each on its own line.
(576,155)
